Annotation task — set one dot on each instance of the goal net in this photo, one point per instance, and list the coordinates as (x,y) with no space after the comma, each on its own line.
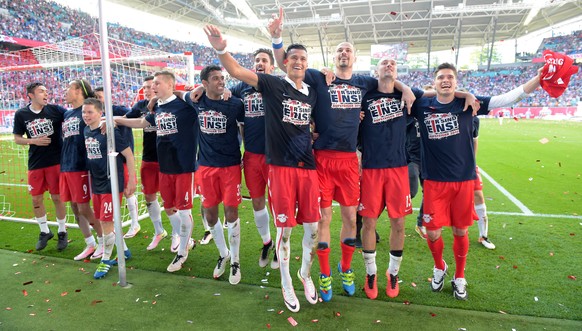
(56,65)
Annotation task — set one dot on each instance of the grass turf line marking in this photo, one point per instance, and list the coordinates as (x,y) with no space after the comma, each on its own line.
(16,185)
(513,199)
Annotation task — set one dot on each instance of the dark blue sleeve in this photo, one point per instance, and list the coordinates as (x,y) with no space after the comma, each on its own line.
(418,93)
(240,111)
(475,127)
(484,109)
(151,118)
(120,142)
(314,77)
(237,90)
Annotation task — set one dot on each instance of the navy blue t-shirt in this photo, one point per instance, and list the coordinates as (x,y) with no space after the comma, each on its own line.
(74,154)
(412,140)
(446,133)
(177,136)
(96,146)
(383,130)
(475,127)
(126,132)
(218,137)
(337,112)
(254,122)
(150,152)
(287,117)
(47,123)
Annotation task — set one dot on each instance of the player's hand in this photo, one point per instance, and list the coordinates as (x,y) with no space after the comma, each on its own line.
(227,94)
(471,101)
(362,115)
(196,93)
(42,141)
(329,75)
(103,126)
(215,37)
(188,88)
(131,186)
(152,104)
(408,99)
(275,25)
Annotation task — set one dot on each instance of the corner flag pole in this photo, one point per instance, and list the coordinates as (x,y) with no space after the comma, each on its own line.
(111,153)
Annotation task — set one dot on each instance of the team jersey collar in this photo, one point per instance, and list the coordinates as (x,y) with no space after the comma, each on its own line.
(34,110)
(304,87)
(168,100)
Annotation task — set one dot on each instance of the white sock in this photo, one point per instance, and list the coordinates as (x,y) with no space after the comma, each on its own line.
(481,211)
(90,241)
(219,240)
(42,223)
(100,240)
(124,244)
(283,253)
(185,230)
(262,223)
(132,207)
(62,226)
(394,264)
(108,243)
(175,221)
(309,243)
(155,215)
(370,262)
(234,240)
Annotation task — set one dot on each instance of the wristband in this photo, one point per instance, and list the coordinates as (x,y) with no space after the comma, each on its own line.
(277,43)
(222,52)
(278,46)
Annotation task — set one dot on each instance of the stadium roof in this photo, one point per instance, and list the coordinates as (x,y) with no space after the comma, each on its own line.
(442,24)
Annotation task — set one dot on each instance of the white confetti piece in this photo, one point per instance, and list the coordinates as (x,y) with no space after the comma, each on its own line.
(530,179)
(216,294)
(270,309)
(264,281)
(536,299)
(137,300)
(544,140)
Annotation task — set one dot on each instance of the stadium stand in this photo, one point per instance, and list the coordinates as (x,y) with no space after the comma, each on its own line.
(46,21)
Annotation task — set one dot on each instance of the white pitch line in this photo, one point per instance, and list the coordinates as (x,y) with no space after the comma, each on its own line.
(17,185)
(513,199)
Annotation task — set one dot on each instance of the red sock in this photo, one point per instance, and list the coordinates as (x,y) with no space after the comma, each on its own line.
(347,253)
(460,249)
(323,255)
(436,248)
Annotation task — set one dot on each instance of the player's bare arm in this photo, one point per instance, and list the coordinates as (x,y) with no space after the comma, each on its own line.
(230,64)
(41,141)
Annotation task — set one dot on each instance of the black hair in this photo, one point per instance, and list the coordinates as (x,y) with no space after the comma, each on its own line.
(207,70)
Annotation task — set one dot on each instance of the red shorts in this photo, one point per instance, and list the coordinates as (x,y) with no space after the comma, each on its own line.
(219,184)
(448,204)
(478,181)
(44,179)
(256,173)
(339,178)
(176,190)
(150,177)
(103,206)
(196,186)
(74,187)
(387,187)
(290,190)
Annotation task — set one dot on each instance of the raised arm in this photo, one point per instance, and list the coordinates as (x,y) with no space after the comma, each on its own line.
(275,27)
(515,95)
(229,63)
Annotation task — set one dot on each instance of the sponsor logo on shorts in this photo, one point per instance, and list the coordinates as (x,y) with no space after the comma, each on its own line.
(426,218)
(282,218)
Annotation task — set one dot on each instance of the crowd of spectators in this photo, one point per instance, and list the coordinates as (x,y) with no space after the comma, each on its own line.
(568,44)
(47,21)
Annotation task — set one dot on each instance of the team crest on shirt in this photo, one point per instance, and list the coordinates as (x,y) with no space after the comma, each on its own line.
(344,96)
(166,124)
(441,125)
(71,127)
(384,109)
(93,149)
(254,105)
(296,112)
(212,122)
(40,127)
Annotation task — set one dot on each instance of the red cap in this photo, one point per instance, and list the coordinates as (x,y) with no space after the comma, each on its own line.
(556,73)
